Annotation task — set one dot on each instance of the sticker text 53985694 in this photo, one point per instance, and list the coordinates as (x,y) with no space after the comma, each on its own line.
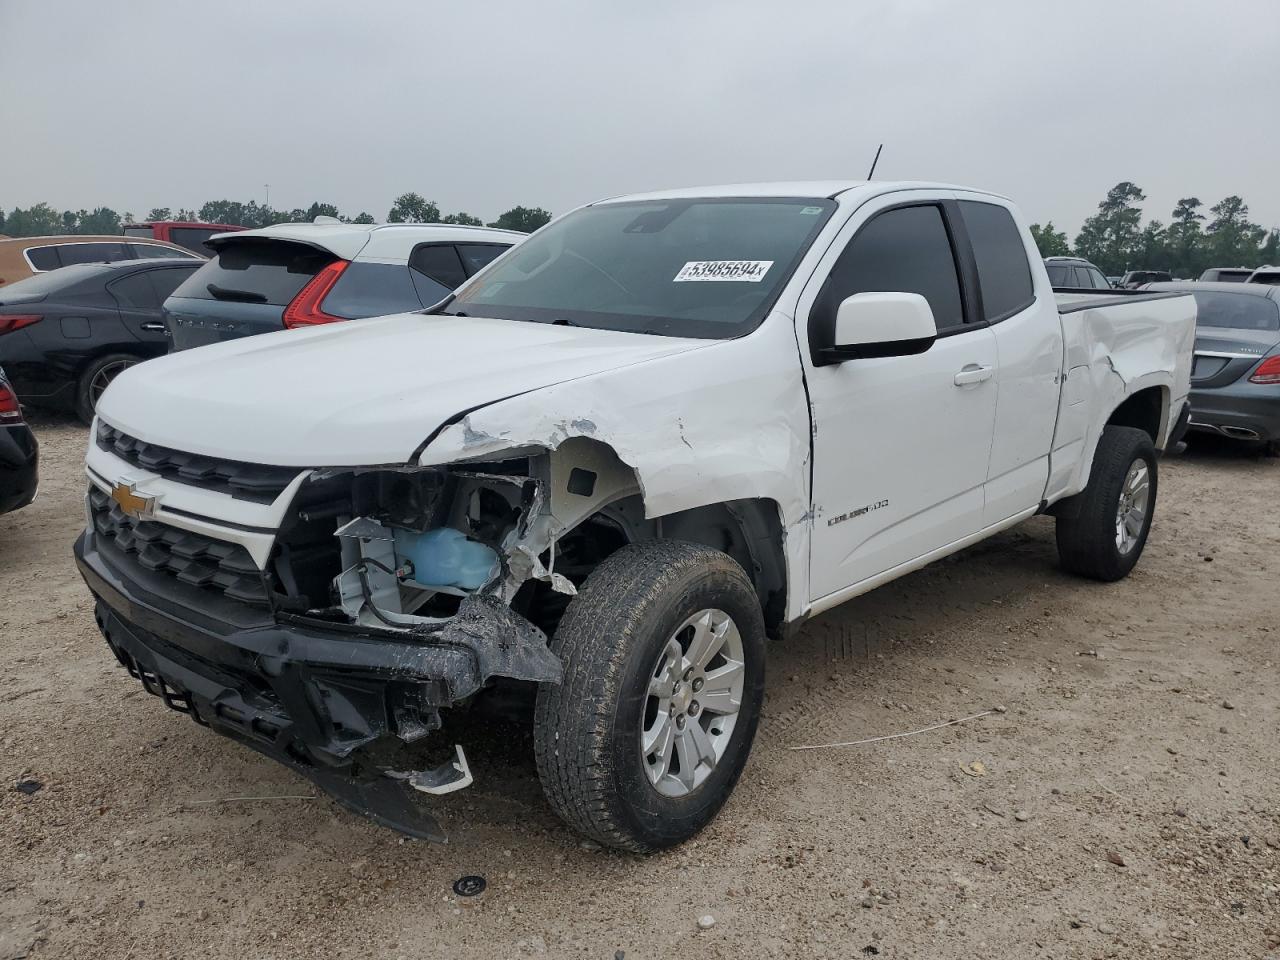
(748,271)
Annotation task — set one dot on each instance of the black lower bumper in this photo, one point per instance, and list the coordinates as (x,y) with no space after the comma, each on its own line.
(333,703)
(19,467)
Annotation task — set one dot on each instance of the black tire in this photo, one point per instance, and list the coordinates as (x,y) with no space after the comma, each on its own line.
(1087,524)
(87,389)
(587,729)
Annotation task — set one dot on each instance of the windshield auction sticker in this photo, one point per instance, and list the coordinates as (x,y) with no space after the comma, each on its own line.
(743,271)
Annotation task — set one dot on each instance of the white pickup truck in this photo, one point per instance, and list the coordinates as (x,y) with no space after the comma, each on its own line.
(599,475)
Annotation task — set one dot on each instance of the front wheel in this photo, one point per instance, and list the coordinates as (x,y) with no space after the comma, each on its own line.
(1101,534)
(663,651)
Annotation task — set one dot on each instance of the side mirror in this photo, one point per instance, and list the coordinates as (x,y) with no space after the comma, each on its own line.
(881,325)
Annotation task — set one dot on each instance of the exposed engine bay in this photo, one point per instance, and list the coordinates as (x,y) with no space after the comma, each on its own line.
(412,548)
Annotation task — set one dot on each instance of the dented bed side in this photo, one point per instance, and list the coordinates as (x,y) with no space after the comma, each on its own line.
(1115,347)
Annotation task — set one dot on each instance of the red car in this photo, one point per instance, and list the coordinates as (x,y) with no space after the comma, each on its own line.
(185,233)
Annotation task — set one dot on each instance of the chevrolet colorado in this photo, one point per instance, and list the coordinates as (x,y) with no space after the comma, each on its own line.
(597,476)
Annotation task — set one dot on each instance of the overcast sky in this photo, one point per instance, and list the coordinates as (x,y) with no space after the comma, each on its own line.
(481,106)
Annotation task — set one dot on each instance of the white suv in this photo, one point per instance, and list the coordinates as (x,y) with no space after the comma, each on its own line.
(303,274)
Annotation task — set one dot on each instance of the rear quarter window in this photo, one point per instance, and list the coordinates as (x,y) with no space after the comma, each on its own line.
(439,262)
(44,258)
(478,255)
(134,291)
(372,290)
(1004,273)
(270,271)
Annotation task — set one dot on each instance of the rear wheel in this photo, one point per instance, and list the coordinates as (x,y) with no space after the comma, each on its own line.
(1102,532)
(663,651)
(96,378)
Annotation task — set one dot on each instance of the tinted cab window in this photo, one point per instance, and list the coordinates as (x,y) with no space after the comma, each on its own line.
(905,251)
(1004,273)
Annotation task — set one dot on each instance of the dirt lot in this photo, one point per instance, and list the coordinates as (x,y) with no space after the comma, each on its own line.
(1129,802)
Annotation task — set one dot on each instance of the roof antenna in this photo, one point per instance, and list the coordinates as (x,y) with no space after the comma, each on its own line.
(871,172)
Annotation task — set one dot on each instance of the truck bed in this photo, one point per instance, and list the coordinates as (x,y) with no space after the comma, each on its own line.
(1071,299)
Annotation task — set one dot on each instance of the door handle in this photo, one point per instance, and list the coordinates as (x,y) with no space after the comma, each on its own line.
(153,326)
(973,373)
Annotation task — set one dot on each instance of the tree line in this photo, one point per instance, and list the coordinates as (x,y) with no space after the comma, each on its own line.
(41,219)
(1115,239)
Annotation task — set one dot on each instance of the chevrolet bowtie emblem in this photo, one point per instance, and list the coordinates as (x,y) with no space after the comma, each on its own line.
(133,504)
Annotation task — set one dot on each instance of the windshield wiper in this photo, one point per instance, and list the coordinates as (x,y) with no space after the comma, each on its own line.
(242,296)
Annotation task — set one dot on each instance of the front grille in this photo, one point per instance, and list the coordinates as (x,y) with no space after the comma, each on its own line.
(192,558)
(244,481)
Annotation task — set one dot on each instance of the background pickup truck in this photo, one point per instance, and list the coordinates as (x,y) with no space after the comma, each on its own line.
(660,429)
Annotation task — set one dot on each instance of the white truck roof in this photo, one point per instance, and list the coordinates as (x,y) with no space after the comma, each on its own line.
(817,189)
(373,241)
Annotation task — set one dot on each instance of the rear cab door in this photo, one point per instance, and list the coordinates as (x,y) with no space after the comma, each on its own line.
(1016,303)
(901,445)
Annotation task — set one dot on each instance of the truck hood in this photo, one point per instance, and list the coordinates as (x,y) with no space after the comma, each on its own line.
(362,392)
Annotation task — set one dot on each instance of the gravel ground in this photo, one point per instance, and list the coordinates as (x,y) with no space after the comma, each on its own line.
(1123,804)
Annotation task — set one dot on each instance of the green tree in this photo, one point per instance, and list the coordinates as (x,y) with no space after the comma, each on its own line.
(1111,236)
(225,211)
(413,208)
(1051,242)
(524,219)
(185,214)
(1233,239)
(160,213)
(70,221)
(1152,248)
(103,221)
(364,218)
(465,219)
(1,219)
(321,210)
(39,220)
(1184,240)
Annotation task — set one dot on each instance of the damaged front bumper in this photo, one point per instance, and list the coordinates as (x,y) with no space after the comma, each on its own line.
(338,703)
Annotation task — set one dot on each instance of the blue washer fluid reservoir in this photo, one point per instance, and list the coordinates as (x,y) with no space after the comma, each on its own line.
(444,557)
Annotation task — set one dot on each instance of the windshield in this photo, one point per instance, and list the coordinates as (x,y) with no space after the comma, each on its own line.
(1238,311)
(703,268)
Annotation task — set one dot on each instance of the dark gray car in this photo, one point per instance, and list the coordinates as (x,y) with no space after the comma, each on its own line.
(1235,379)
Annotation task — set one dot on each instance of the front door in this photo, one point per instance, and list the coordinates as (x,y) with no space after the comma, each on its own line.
(901,444)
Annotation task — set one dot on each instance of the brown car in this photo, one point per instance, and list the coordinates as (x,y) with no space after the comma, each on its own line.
(22,257)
